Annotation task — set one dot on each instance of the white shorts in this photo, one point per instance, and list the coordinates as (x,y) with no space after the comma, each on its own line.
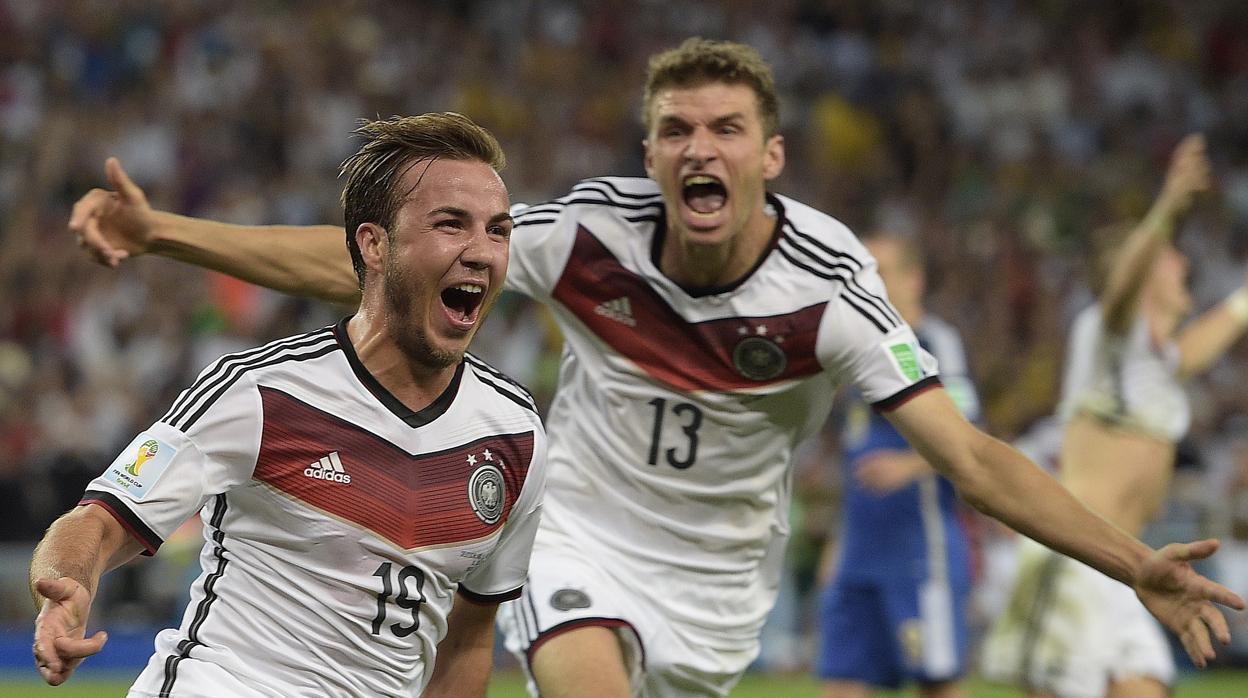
(664,657)
(1071,631)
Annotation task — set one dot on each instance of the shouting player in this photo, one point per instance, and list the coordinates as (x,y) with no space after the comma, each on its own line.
(370,492)
(708,322)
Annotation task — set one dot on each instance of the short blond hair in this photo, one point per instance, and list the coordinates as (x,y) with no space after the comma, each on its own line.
(699,61)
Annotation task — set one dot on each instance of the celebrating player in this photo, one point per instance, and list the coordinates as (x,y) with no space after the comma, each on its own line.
(1069,631)
(370,492)
(896,609)
(707,323)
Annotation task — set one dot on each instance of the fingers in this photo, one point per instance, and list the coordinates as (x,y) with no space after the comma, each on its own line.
(1195,639)
(72,648)
(1198,550)
(84,223)
(1216,623)
(121,182)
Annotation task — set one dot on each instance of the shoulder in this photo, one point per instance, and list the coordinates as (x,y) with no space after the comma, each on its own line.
(498,386)
(805,224)
(286,357)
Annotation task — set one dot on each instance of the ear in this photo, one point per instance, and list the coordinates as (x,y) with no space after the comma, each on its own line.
(648,158)
(773,157)
(374,244)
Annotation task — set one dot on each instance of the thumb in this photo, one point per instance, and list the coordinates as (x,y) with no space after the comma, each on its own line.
(1197,550)
(122,184)
(55,589)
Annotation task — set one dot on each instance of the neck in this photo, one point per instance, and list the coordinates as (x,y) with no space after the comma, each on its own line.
(912,313)
(694,265)
(414,384)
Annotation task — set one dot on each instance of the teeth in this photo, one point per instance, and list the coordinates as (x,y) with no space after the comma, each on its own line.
(469,288)
(700,179)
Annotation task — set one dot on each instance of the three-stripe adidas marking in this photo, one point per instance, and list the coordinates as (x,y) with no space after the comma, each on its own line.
(619,310)
(328,468)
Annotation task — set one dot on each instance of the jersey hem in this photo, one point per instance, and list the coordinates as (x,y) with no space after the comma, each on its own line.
(127,518)
(906,394)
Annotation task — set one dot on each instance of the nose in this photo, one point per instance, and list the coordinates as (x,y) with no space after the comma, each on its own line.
(700,149)
(478,252)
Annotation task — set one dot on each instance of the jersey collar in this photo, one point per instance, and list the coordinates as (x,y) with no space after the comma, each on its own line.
(409,416)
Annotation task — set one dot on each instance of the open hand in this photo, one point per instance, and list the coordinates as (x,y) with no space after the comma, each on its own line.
(1189,174)
(60,629)
(1183,600)
(113,225)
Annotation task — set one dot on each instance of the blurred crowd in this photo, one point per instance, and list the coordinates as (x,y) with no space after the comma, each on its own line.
(1001,134)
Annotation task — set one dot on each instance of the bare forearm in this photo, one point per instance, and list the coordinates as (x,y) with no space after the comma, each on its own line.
(1009,487)
(1203,341)
(81,545)
(462,674)
(299,260)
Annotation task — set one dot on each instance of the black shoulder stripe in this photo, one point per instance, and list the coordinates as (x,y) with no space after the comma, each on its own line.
(505,391)
(592,185)
(640,219)
(239,371)
(533,221)
(548,207)
(205,604)
(851,264)
(608,201)
(476,362)
(883,323)
(223,365)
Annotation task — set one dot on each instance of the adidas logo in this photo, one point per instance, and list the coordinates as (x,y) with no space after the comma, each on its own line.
(619,310)
(328,468)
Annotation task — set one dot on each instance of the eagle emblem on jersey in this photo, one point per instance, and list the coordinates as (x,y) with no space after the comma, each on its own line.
(759,358)
(486,491)
(568,599)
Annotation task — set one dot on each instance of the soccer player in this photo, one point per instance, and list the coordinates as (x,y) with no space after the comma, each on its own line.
(1068,631)
(370,492)
(895,611)
(708,322)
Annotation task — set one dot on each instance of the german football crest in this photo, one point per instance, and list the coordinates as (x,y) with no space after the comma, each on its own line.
(485,493)
(759,358)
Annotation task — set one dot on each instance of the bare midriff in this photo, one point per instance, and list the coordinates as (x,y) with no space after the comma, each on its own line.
(1118,472)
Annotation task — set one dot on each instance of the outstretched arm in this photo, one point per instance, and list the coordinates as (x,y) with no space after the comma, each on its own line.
(1204,340)
(466,654)
(78,548)
(1187,176)
(300,260)
(1004,484)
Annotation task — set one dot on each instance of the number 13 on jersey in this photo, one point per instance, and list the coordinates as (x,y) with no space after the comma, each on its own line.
(678,452)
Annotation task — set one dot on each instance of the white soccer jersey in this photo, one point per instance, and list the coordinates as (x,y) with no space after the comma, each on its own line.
(339,524)
(678,411)
(1126,380)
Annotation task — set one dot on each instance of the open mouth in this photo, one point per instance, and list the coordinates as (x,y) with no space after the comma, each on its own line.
(704,194)
(463,301)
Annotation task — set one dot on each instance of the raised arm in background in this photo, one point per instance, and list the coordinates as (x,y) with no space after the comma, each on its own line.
(300,260)
(1132,261)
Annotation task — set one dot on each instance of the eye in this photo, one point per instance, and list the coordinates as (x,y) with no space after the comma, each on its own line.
(451,223)
(729,129)
(499,230)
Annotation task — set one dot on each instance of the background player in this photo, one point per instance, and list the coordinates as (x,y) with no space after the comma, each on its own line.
(352,480)
(708,323)
(896,608)
(1067,632)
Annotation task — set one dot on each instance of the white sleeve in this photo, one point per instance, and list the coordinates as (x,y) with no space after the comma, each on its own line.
(206,444)
(501,575)
(541,243)
(864,340)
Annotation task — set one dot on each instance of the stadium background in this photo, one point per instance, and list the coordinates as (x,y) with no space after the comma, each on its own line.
(1000,134)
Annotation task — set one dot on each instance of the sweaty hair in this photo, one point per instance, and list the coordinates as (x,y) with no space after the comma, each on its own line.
(373,192)
(700,61)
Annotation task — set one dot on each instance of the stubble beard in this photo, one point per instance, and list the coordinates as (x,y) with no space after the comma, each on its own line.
(405,329)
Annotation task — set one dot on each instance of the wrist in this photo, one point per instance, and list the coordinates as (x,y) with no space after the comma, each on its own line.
(1237,305)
